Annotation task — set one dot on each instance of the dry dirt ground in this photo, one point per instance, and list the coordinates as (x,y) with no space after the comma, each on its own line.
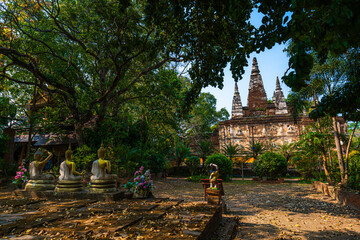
(275,211)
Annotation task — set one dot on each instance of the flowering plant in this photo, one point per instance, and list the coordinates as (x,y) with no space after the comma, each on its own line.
(142,183)
(21,176)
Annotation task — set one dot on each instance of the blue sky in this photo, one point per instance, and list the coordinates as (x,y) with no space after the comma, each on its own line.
(272,63)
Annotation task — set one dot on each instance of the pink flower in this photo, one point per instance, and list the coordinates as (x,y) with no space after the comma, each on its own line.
(19,167)
(25,170)
(144,187)
(16,177)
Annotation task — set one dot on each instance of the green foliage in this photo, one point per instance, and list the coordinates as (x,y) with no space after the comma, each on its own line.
(156,162)
(311,27)
(255,149)
(98,69)
(224,164)
(181,152)
(204,114)
(84,157)
(231,150)
(288,150)
(343,73)
(314,150)
(196,178)
(204,148)
(354,170)
(307,167)
(7,111)
(271,165)
(192,162)
(129,159)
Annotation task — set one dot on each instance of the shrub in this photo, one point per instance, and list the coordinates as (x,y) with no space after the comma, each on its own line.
(84,158)
(224,163)
(306,166)
(354,170)
(157,162)
(192,162)
(271,165)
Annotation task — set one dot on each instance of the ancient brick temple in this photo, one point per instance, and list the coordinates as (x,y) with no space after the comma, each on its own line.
(262,121)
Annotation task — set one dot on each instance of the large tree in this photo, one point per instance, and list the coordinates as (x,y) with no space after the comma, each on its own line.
(95,53)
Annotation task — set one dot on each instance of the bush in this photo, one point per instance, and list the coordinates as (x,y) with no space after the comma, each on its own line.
(354,170)
(83,158)
(157,162)
(271,165)
(224,163)
(306,166)
(192,162)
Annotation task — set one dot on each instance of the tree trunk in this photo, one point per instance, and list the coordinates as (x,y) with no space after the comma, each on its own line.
(339,152)
(242,170)
(347,153)
(31,123)
(324,162)
(324,165)
(79,133)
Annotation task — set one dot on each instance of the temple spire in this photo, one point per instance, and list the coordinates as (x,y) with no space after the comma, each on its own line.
(279,99)
(255,67)
(257,100)
(278,84)
(237,110)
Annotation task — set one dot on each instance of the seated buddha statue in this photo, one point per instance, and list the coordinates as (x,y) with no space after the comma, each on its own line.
(39,181)
(36,166)
(68,167)
(101,168)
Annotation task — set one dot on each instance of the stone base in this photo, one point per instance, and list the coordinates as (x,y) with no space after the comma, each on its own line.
(103,186)
(69,186)
(213,196)
(52,195)
(40,185)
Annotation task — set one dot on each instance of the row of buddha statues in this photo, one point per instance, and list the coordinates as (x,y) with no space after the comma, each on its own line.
(70,180)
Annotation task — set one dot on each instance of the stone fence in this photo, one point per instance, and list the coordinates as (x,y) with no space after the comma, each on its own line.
(351,199)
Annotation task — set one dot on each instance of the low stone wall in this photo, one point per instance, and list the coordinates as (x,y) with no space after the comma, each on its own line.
(350,199)
(213,223)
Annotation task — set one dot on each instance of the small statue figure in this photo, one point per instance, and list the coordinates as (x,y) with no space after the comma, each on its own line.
(36,167)
(68,169)
(214,175)
(101,168)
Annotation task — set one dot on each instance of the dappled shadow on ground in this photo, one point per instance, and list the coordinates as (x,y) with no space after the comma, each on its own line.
(286,197)
(289,211)
(276,211)
(179,188)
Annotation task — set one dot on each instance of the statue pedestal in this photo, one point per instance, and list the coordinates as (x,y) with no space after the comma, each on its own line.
(40,185)
(103,186)
(213,196)
(69,186)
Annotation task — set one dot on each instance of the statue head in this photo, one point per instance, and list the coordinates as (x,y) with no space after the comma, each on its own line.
(38,155)
(101,151)
(69,153)
(213,167)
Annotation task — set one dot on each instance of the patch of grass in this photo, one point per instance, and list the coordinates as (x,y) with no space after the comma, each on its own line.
(197,178)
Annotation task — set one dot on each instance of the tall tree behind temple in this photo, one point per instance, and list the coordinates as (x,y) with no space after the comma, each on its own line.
(91,53)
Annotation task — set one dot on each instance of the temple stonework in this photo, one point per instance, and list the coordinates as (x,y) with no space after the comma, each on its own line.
(262,121)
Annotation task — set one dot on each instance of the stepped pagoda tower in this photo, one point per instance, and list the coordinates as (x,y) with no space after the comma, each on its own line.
(261,120)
